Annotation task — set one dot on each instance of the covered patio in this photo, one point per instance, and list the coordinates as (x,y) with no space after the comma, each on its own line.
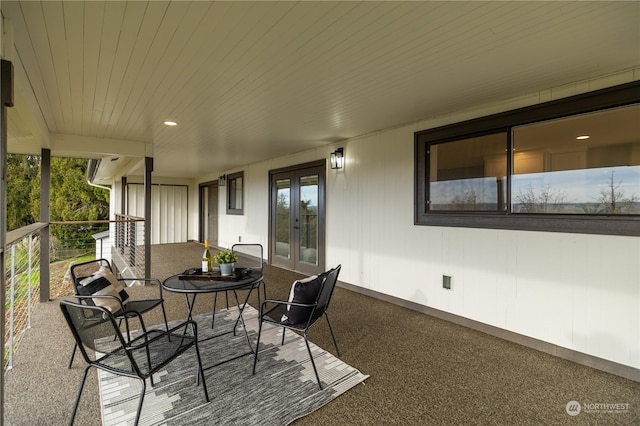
(424,370)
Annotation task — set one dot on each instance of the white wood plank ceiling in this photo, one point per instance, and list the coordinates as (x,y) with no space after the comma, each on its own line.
(249,81)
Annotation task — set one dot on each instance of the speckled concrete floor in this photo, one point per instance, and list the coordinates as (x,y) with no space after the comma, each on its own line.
(424,371)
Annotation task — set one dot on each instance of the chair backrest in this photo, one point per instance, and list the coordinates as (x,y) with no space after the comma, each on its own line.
(86,269)
(326,291)
(250,255)
(93,327)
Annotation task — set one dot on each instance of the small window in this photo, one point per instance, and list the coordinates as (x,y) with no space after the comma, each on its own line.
(235,193)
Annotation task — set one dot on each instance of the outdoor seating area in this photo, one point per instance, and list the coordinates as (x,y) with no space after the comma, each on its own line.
(421,370)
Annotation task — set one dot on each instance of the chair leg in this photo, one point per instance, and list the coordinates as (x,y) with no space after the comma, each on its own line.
(126,326)
(73,354)
(75,405)
(149,366)
(332,336)
(166,325)
(313,364)
(144,390)
(283,330)
(164,314)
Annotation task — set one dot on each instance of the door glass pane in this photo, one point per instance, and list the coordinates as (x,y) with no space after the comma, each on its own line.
(283,218)
(308,236)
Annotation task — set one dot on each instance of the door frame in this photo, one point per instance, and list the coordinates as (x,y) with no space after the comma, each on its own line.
(292,264)
(212,187)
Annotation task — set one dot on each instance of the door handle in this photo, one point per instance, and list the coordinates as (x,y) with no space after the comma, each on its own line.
(296,227)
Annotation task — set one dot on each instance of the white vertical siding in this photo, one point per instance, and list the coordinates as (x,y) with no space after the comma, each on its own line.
(581,292)
(169,211)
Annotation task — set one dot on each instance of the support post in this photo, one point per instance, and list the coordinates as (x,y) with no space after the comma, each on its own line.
(123,196)
(6,96)
(45,212)
(148,168)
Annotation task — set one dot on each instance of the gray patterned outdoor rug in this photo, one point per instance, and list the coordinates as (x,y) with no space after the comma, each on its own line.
(283,389)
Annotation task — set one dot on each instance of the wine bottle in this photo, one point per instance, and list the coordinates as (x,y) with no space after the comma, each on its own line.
(206,259)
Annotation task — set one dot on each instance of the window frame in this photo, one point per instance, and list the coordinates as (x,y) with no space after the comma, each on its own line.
(617,96)
(232,209)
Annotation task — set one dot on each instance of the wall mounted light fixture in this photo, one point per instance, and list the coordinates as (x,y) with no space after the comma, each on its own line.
(222,180)
(337,159)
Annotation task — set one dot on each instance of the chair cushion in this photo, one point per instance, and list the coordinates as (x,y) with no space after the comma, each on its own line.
(103,283)
(302,291)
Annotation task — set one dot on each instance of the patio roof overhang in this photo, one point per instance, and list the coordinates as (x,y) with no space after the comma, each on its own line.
(251,81)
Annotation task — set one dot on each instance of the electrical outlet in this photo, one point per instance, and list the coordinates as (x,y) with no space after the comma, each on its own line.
(446,282)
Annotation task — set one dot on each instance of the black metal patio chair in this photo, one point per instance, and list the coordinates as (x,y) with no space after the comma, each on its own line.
(308,302)
(95,283)
(96,332)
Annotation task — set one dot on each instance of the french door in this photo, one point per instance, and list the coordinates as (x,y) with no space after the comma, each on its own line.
(297,218)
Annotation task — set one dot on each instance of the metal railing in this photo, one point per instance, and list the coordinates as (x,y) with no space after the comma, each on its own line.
(22,285)
(71,240)
(129,253)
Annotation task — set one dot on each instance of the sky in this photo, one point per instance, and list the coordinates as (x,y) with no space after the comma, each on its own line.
(575,186)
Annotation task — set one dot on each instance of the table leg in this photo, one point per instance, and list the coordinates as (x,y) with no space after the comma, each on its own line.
(241,319)
(190,305)
(246,300)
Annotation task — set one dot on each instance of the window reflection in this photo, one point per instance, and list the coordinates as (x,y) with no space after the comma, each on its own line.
(469,174)
(283,218)
(555,172)
(309,219)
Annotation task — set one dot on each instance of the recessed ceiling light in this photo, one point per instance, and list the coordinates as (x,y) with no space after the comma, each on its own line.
(170,123)
(583,137)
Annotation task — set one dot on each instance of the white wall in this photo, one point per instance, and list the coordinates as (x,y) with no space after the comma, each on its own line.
(174,207)
(581,292)
(253,225)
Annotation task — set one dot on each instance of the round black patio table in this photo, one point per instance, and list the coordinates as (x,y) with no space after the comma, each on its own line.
(191,283)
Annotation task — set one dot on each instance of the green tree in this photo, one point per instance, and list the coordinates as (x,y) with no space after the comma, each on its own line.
(22,172)
(72,198)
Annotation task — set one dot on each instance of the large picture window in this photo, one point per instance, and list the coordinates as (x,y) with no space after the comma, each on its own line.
(571,165)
